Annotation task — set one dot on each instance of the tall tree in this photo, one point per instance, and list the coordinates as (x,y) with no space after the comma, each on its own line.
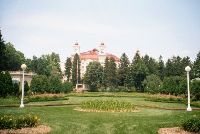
(76,70)
(151,64)
(14,58)
(2,54)
(196,67)
(139,71)
(105,72)
(161,68)
(94,75)
(68,68)
(123,70)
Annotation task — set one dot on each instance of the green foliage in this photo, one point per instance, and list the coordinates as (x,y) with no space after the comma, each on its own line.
(26,87)
(6,86)
(11,121)
(175,85)
(192,125)
(2,54)
(39,84)
(138,72)
(67,87)
(68,68)
(108,105)
(176,66)
(123,70)
(55,84)
(76,70)
(152,84)
(195,89)
(94,75)
(16,89)
(151,64)
(14,58)
(161,68)
(47,97)
(46,64)
(196,67)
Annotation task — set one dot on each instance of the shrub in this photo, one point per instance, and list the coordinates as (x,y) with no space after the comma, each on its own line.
(55,83)
(39,84)
(108,105)
(6,85)
(67,87)
(10,121)
(175,85)
(15,89)
(152,84)
(26,87)
(47,97)
(195,89)
(192,125)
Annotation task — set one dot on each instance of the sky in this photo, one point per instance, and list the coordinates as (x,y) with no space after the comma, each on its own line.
(154,27)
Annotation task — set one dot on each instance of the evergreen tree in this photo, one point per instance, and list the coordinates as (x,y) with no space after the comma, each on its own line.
(76,70)
(161,68)
(105,72)
(196,68)
(2,54)
(123,70)
(151,64)
(68,68)
(94,75)
(112,73)
(138,72)
(6,86)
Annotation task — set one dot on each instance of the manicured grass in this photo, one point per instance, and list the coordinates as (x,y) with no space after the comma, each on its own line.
(64,119)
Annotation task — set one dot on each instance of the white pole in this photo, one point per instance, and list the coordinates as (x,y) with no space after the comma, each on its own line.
(22,99)
(188,88)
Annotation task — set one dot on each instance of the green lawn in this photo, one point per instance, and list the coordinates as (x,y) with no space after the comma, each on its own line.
(64,119)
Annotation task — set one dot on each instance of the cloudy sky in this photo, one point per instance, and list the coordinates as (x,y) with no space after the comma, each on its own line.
(155,27)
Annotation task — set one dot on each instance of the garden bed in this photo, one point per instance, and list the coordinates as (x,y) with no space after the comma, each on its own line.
(174,130)
(41,129)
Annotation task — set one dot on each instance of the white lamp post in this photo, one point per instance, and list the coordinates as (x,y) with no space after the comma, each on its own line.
(23,66)
(187,69)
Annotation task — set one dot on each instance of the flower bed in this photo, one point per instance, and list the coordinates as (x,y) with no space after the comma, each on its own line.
(108,105)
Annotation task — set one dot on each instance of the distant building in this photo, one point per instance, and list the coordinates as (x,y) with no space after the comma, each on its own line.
(95,54)
(17,76)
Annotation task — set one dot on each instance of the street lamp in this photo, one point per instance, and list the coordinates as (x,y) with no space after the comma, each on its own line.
(187,69)
(23,66)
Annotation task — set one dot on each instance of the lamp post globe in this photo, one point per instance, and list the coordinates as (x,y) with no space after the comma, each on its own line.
(187,69)
(23,66)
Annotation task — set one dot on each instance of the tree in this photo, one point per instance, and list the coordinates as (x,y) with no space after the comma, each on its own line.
(151,64)
(195,89)
(76,70)
(123,70)
(6,86)
(161,68)
(196,68)
(68,68)
(39,84)
(14,58)
(138,71)
(67,87)
(2,54)
(152,84)
(26,87)
(94,75)
(55,83)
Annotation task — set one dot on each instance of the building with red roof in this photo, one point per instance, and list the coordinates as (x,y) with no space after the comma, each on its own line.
(98,55)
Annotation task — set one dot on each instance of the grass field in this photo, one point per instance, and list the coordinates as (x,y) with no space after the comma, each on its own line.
(64,119)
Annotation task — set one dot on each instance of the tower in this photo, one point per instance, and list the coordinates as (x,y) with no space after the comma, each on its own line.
(102,54)
(76,47)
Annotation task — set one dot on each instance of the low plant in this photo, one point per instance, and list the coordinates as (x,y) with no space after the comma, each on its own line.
(192,125)
(47,97)
(108,105)
(16,122)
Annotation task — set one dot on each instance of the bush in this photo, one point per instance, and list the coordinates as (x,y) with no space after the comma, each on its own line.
(152,84)
(47,97)
(67,87)
(26,87)
(175,85)
(15,89)
(108,105)
(6,86)
(39,84)
(192,125)
(10,121)
(55,83)
(195,89)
